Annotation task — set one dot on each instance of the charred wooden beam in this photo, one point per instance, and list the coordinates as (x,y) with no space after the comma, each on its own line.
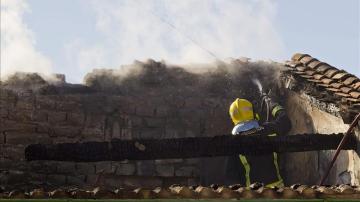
(117,150)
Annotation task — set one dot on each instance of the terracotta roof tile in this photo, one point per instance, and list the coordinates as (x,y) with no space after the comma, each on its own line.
(323,68)
(356,85)
(350,80)
(314,80)
(342,94)
(336,85)
(355,100)
(298,56)
(346,89)
(315,64)
(323,85)
(299,72)
(59,193)
(292,63)
(318,76)
(333,89)
(327,81)
(17,194)
(195,192)
(301,68)
(310,61)
(329,84)
(355,94)
(310,72)
(331,72)
(307,59)
(306,76)
(341,76)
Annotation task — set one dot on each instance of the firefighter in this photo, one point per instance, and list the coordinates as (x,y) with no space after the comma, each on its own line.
(265,168)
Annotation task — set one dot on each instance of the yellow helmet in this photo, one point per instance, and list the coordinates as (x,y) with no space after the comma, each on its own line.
(241,110)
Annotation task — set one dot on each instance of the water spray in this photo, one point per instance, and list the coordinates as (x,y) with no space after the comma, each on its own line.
(265,99)
(258,84)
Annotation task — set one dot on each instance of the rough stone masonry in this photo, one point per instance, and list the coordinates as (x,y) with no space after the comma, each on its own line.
(143,100)
(150,100)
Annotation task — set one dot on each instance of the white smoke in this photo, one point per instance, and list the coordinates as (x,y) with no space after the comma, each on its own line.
(177,31)
(18,52)
(181,32)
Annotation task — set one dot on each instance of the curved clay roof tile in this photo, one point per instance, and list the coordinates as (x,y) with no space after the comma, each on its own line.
(355,94)
(307,59)
(318,76)
(327,81)
(315,64)
(310,72)
(301,68)
(298,56)
(337,85)
(346,89)
(323,68)
(331,72)
(333,89)
(341,76)
(350,80)
(356,86)
(340,94)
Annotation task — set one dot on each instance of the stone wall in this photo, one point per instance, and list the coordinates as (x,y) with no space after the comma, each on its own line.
(155,101)
(143,100)
(28,118)
(307,118)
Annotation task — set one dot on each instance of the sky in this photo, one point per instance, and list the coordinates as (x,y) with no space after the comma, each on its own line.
(73,37)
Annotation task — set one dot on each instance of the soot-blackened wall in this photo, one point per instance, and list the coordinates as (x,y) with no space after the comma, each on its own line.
(150,100)
(29,119)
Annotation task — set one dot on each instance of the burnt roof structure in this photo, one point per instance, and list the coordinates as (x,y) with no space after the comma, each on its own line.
(331,87)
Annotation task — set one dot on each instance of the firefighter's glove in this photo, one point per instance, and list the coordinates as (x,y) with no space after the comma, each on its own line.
(269,128)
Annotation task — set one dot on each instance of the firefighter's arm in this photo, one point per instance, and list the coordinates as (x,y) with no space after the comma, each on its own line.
(280,123)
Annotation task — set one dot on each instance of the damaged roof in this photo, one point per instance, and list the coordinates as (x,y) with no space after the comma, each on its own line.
(326,83)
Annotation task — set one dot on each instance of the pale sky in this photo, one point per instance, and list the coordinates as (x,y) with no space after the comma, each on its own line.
(74,36)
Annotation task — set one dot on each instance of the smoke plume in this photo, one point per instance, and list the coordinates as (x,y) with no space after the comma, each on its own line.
(181,33)
(185,32)
(18,52)
(157,79)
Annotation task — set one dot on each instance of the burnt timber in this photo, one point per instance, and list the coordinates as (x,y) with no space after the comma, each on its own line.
(226,145)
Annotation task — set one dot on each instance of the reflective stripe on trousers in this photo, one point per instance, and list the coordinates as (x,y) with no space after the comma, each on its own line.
(247,169)
(245,163)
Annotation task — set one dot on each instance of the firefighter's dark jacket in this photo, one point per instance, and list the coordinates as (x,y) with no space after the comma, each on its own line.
(279,123)
(262,167)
